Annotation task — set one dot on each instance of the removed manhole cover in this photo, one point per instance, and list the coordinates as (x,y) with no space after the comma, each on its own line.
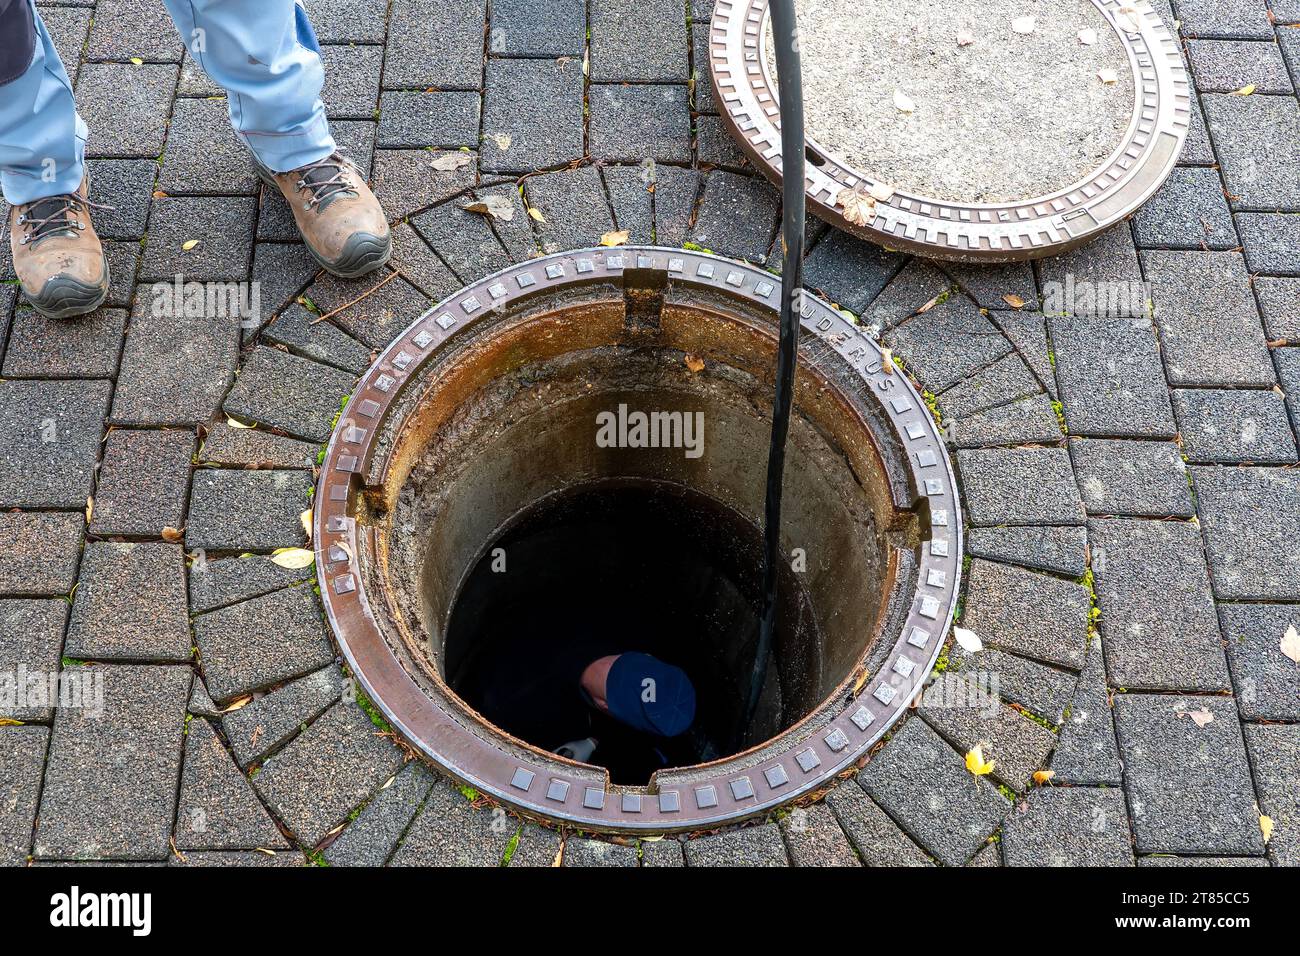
(977,131)
(577,444)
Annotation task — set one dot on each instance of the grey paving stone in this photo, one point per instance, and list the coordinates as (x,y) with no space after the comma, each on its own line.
(282,271)
(174,372)
(703,100)
(85,347)
(532,115)
(1028,333)
(539,846)
(142,482)
(1257,139)
(876,839)
(1251,521)
(1044,691)
(1111,380)
(947,342)
(540,28)
(1288,369)
(1157,612)
(736,216)
(1275,755)
(1234,425)
(327,771)
(1059,549)
(204,156)
(194,82)
(989,856)
(1188,212)
(29,656)
(716,147)
(1197,150)
(648,47)
(260,642)
(440,118)
(125,106)
(597,853)
(1007,379)
(249,446)
(434,43)
(229,858)
(629,123)
(126,185)
(814,838)
(632,201)
(990,285)
(849,271)
(918,287)
(300,332)
(68,28)
(1123,477)
(1026,421)
(133,28)
(1267,683)
(112,776)
(404,182)
(130,604)
(1279,304)
(223,226)
(275,717)
(676,190)
(452,832)
(1271,241)
(1224,18)
(22,760)
(1031,614)
(349,21)
(39,551)
(371,838)
(750,846)
(292,394)
(1163,860)
(123,263)
(247,510)
(516,234)
(1224,66)
(1288,38)
(1016,745)
(1099,280)
(572,203)
(201,704)
(1209,327)
(1189,787)
(921,782)
(1068,826)
(49,440)
(217,809)
(665,852)
(420,265)
(1086,751)
(376,319)
(1019,486)
(351,80)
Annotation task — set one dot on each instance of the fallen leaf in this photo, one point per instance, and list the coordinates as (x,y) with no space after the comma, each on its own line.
(236,424)
(965,38)
(1244,91)
(930,305)
(137,61)
(172,534)
(10,722)
(694,363)
(615,238)
(1088,36)
(860,683)
(536,214)
(305,518)
(1042,776)
(241,702)
(90,508)
(976,763)
(859,207)
(295,559)
(887,361)
(1200,717)
(881,192)
(1128,20)
(189,244)
(494,205)
(1291,644)
(903,103)
(968,639)
(1023,25)
(1266,827)
(1013,300)
(1108,77)
(450,162)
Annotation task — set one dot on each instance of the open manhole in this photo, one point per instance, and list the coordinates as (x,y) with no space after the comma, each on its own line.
(981,131)
(487,491)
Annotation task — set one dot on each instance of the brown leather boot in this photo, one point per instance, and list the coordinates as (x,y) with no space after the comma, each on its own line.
(340,219)
(58,258)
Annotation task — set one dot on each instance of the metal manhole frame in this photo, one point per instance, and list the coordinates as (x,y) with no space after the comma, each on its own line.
(539,783)
(968,232)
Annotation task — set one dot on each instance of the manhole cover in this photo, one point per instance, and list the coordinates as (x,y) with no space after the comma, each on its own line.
(975,131)
(477,436)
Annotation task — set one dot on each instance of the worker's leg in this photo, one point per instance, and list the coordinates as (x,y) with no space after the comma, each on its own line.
(264,54)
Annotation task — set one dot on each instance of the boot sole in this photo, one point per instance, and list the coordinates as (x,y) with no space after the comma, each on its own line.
(363,254)
(65,298)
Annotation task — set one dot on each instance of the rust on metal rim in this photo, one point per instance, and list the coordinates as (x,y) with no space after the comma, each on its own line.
(540,783)
(968,232)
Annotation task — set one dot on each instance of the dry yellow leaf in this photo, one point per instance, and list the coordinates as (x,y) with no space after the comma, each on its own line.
(887,361)
(172,534)
(189,244)
(1200,716)
(536,214)
(295,559)
(1013,300)
(241,702)
(495,206)
(881,192)
(976,763)
(968,639)
(903,103)
(90,508)
(694,363)
(137,61)
(1042,776)
(1266,827)
(236,424)
(615,238)
(10,722)
(860,683)
(305,518)
(1290,644)
(450,162)
(1128,20)
(1245,90)
(1108,77)
(859,207)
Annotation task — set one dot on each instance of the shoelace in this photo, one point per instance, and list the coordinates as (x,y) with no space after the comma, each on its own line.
(324,179)
(61,217)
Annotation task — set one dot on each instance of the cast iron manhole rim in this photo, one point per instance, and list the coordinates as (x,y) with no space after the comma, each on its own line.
(968,232)
(548,786)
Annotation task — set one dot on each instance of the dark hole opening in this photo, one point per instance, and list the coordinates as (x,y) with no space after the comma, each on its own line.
(624,565)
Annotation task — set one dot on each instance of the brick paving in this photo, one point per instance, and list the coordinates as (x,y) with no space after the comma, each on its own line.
(1130,483)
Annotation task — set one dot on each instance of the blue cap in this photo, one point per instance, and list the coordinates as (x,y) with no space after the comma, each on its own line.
(649,695)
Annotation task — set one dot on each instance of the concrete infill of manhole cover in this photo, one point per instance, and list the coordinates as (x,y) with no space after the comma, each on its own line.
(977,132)
(484,405)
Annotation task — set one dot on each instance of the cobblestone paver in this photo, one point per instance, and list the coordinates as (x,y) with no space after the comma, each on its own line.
(1127,462)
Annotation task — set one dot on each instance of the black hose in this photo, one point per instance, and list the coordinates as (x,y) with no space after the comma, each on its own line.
(790,93)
